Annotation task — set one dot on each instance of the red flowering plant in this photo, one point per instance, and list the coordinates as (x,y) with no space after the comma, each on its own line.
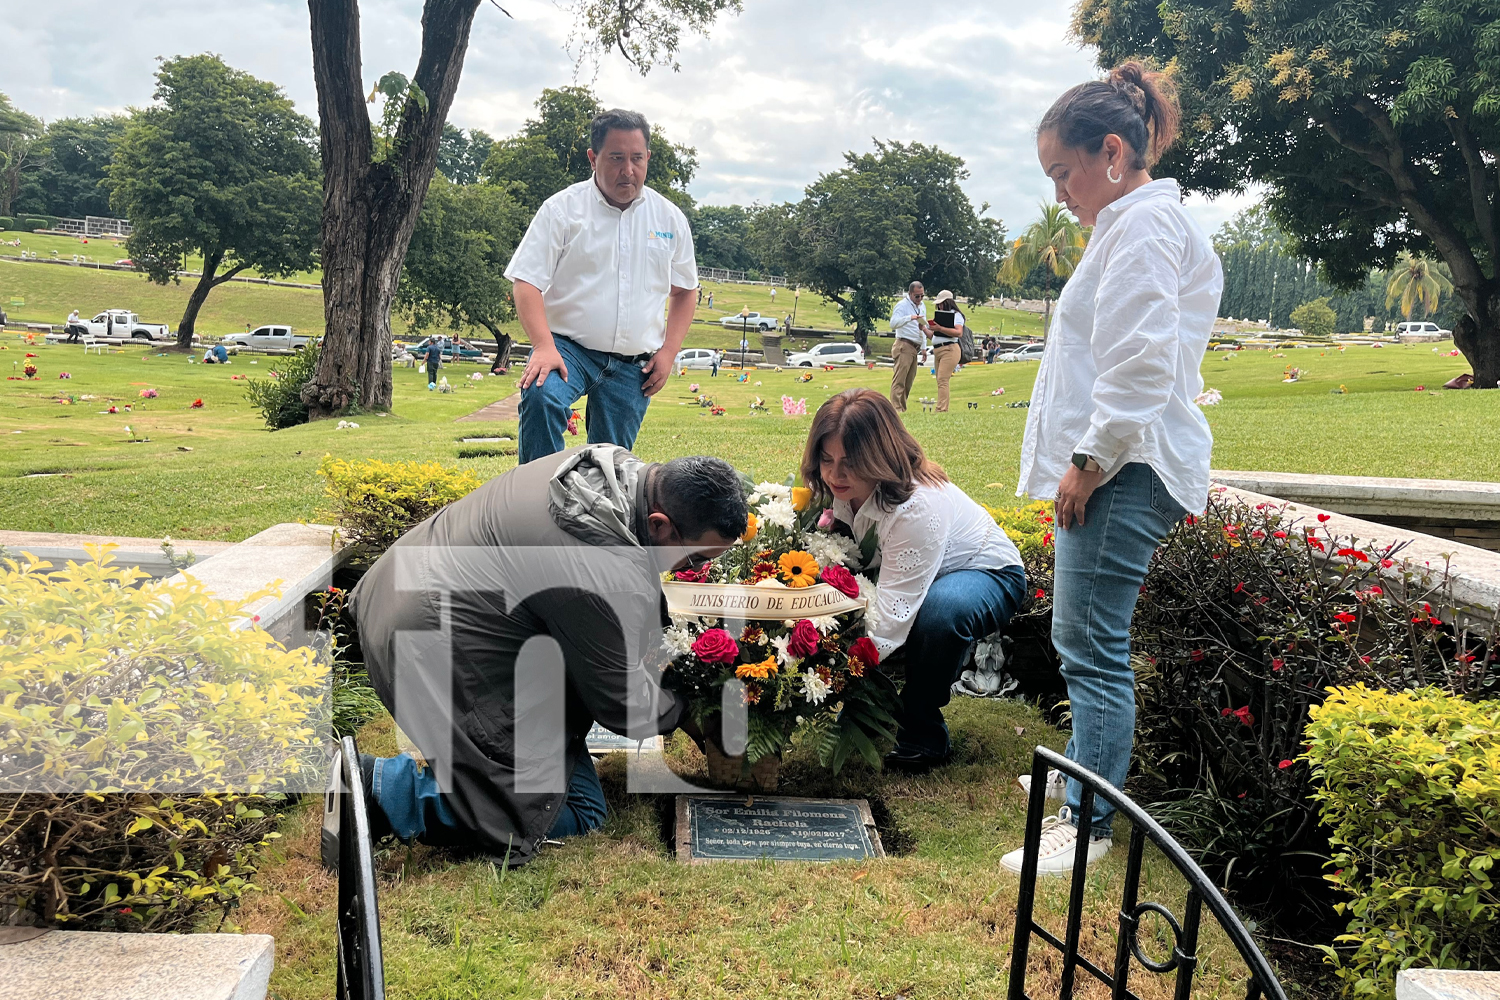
(1248,615)
(795,645)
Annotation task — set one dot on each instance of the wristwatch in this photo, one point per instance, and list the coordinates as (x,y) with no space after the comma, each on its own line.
(1086,463)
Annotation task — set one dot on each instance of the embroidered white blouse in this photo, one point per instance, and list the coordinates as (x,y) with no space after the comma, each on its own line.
(937,531)
(1124,354)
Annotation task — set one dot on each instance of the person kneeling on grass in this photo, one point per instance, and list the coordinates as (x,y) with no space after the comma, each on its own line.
(949,575)
(499,630)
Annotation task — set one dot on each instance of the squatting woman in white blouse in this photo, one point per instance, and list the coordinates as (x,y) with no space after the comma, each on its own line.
(1113,434)
(949,575)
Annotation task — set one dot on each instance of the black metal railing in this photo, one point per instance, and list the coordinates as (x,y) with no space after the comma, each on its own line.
(1184,957)
(361,966)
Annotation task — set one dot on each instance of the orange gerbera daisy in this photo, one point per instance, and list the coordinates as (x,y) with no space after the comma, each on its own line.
(799,569)
(759,671)
(752,528)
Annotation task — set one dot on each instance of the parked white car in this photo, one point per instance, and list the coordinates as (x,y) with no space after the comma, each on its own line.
(268,338)
(698,357)
(838,353)
(1026,352)
(754,321)
(1427,331)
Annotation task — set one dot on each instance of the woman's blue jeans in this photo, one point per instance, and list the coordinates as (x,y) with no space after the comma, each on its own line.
(1100,567)
(959,609)
(413,803)
(617,405)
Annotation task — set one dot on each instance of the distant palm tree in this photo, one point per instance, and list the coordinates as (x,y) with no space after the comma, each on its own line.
(1056,242)
(1416,281)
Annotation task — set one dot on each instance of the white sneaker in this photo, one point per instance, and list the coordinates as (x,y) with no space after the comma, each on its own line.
(1059,842)
(1057,785)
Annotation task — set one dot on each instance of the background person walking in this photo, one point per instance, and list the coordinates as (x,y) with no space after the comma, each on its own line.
(909,324)
(600,265)
(1113,433)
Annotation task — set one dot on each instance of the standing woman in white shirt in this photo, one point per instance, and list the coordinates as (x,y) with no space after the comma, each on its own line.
(1113,434)
(949,575)
(946,351)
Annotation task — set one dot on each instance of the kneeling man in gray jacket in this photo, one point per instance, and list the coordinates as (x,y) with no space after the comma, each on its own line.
(501,628)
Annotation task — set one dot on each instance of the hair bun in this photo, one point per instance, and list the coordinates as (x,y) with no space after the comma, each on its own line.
(1130,79)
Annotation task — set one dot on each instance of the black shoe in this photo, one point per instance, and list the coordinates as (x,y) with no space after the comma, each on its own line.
(909,761)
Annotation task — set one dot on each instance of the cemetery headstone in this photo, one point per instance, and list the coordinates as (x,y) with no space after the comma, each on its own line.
(775,828)
(601,741)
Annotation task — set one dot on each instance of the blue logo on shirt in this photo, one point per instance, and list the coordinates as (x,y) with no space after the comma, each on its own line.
(661,235)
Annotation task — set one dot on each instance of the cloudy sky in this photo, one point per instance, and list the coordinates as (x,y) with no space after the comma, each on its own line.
(771,99)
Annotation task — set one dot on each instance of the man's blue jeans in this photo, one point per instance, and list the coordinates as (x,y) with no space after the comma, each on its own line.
(616,403)
(959,609)
(1099,571)
(410,797)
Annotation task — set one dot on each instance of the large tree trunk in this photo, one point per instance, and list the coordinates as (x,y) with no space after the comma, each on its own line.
(195,302)
(1480,342)
(370,209)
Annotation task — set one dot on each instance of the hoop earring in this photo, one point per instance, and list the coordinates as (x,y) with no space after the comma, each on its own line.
(1109,172)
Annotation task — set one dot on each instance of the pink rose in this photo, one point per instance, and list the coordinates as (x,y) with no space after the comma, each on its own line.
(716,646)
(840,579)
(805,638)
(692,575)
(825,521)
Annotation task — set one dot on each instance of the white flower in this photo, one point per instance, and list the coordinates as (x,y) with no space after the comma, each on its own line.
(677,641)
(871,594)
(684,621)
(772,491)
(771,581)
(815,688)
(825,623)
(778,512)
(787,659)
(1209,397)
(830,549)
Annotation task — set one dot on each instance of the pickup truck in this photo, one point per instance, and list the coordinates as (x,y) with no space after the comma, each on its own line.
(117,324)
(267,338)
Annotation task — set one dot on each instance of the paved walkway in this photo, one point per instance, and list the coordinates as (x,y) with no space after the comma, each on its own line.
(508,408)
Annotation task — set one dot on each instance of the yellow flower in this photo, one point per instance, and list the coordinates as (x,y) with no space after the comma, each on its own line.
(752,528)
(801,497)
(799,569)
(757,671)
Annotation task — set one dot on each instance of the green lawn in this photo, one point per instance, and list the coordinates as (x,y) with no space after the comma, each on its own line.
(613,915)
(107,250)
(239,478)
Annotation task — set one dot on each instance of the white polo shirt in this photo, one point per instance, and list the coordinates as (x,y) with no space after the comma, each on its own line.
(605,273)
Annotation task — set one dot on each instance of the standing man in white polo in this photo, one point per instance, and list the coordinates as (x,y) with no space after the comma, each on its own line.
(909,324)
(605,285)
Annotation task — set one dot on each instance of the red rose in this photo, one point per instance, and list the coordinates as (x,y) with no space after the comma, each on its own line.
(864,651)
(692,575)
(716,646)
(804,640)
(840,579)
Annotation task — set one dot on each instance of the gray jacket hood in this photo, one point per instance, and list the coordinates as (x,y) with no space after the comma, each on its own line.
(595,495)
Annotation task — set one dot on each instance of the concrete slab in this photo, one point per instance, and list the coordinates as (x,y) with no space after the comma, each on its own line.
(1376,496)
(507,409)
(89,965)
(1447,984)
(299,558)
(143,552)
(1474,572)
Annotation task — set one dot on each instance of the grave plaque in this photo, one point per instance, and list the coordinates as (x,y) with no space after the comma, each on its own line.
(601,741)
(776,828)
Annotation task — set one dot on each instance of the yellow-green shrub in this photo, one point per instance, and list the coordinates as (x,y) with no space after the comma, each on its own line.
(1030,527)
(375,503)
(144,743)
(1409,783)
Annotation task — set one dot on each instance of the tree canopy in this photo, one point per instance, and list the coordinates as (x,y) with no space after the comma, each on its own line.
(68,173)
(463,240)
(461,155)
(1054,244)
(19,133)
(551,152)
(1375,127)
(222,166)
(860,234)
